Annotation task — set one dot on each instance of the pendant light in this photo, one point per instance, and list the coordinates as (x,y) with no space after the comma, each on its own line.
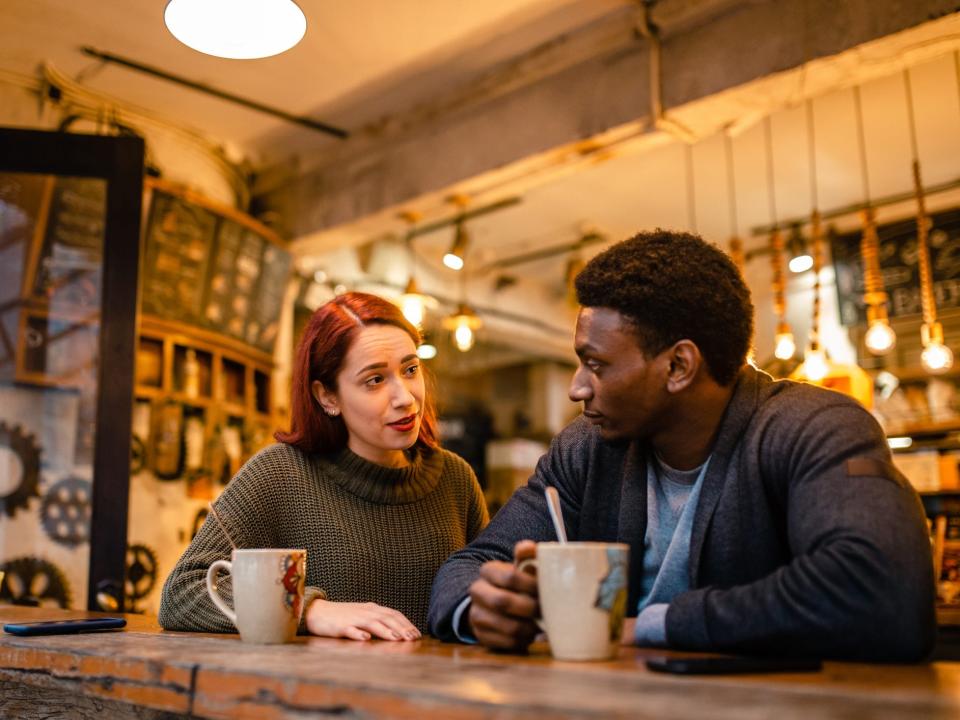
(816,364)
(413,303)
(936,357)
(456,255)
(784,345)
(236,29)
(735,243)
(880,338)
(463,323)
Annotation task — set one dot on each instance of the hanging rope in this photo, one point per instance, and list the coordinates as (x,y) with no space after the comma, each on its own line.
(691,192)
(816,230)
(736,244)
(928,303)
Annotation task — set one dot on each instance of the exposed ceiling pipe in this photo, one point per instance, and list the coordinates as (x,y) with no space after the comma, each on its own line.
(306,122)
(647,28)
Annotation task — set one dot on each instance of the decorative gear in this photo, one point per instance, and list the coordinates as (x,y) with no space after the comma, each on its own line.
(141,574)
(28,454)
(198,521)
(32,581)
(138,454)
(65,511)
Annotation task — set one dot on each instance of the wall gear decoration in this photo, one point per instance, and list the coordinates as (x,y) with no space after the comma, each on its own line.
(27,452)
(33,581)
(138,454)
(65,511)
(198,521)
(141,574)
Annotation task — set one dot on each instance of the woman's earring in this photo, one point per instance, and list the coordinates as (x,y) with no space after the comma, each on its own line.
(332,413)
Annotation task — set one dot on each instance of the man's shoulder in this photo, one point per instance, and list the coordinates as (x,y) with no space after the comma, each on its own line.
(791,412)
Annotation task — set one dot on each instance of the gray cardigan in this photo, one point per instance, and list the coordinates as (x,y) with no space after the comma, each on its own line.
(806,539)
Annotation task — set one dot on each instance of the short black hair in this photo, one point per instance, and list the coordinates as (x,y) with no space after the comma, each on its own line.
(673,286)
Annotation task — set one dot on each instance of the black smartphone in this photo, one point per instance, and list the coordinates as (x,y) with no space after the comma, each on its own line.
(62,627)
(731,665)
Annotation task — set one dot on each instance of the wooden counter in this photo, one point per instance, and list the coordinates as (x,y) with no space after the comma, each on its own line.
(144,672)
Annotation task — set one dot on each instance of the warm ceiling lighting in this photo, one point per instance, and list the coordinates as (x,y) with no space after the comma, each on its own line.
(800,263)
(784,346)
(454,258)
(800,259)
(464,324)
(236,29)
(414,304)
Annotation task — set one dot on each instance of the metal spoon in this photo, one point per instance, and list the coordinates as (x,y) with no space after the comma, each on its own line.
(553,504)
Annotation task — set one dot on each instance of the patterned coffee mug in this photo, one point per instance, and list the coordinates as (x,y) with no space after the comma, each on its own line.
(267,593)
(583,597)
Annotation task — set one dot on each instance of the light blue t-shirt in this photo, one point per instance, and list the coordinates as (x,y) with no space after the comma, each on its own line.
(672,497)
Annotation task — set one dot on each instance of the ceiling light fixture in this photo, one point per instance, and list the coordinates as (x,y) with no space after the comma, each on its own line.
(880,337)
(936,357)
(236,29)
(784,345)
(454,257)
(413,303)
(464,323)
(800,259)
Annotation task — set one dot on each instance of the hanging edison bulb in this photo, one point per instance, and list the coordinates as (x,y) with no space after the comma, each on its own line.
(785,347)
(464,323)
(880,337)
(414,304)
(816,364)
(936,357)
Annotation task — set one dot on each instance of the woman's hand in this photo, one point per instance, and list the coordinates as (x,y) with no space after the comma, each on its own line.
(358,621)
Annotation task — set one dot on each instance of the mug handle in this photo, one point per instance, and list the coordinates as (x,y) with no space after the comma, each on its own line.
(522,566)
(212,591)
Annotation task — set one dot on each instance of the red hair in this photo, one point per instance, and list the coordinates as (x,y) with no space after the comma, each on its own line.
(320,355)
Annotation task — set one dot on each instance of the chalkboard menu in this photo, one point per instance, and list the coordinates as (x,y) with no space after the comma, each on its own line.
(179,238)
(898,264)
(211,270)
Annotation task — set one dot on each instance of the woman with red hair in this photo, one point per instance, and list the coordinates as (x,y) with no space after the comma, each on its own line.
(360,481)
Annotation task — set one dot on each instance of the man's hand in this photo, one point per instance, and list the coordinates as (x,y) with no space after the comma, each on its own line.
(503,602)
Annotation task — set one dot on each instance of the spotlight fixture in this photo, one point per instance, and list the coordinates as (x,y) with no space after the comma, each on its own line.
(464,323)
(800,259)
(458,250)
(236,29)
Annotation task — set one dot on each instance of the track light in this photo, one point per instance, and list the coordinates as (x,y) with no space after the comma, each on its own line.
(458,250)
(800,259)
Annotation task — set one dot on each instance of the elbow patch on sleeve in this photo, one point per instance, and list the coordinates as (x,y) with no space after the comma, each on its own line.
(873,467)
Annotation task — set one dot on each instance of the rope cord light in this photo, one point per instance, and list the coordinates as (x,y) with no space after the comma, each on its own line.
(936,356)
(785,346)
(880,337)
(816,364)
(736,243)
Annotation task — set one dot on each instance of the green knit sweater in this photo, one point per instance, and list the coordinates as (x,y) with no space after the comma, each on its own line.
(372,533)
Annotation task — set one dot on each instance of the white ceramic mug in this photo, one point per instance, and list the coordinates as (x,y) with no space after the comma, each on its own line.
(583,597)
(267,593)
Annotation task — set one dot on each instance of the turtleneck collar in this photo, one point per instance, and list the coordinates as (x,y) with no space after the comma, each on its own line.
(386,485)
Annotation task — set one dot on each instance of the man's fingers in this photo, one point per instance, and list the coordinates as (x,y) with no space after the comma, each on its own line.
(504,602)
(485,621)
(524,549)
(506,575)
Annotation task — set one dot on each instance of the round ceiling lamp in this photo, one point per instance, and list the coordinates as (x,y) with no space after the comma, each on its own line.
(236,29)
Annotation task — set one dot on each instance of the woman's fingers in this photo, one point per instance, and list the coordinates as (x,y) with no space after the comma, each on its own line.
(355,633)
(380,629)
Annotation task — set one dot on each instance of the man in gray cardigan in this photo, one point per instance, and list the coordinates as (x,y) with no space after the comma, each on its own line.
(762,516)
